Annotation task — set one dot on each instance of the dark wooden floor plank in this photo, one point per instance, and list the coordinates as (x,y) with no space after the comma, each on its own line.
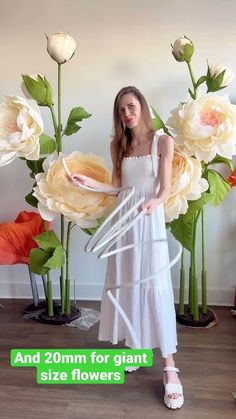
(206,359)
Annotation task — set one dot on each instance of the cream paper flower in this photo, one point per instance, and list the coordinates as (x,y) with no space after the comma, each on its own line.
(56,194)
(179,50)
(61,47)
(20,128)
(186,184)
(205,127)
(216,70)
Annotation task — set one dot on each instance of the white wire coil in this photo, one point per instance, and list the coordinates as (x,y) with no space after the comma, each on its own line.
(117,230)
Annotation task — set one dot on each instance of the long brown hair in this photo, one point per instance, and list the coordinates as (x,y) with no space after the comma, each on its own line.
(122,134)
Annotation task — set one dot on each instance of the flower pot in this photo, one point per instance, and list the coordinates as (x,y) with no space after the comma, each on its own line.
(58,318)
(207,320)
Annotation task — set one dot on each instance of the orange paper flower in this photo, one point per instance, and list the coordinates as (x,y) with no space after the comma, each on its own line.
(16,238)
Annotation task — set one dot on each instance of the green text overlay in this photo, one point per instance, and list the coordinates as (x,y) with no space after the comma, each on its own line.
(81,366)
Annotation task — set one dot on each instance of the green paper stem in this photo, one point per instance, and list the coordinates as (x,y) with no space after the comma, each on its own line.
(62,293)
(59,109)
(67,306)
(194,268)
(49,284)
(54,120)
(67,296)
(203,238)
(59,149)
(49,293)
(204,292)
(182,286)
(204,272)
(190,288)
(193,79)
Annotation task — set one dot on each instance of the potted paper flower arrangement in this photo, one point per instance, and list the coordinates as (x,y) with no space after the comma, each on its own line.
(22,135)
(204,132)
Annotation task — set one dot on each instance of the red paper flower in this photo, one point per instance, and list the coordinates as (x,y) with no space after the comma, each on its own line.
(16,238)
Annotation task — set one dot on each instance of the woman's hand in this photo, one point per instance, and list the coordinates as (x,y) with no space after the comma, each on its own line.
(151,205)
(78,179)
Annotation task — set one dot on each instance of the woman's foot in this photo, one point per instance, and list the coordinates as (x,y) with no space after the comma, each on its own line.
(173,397)
(172,378)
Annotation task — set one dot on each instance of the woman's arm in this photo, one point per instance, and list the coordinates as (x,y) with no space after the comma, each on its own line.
(77,178)
(166,149)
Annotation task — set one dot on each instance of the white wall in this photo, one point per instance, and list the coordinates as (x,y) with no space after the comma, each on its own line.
(119,43)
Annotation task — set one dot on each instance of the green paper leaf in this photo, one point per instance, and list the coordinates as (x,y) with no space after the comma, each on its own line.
(157,122)
(219,187)
(49,255)
(31,200)
(224,160)
(38,258)
(76,115)
(47,144)
(56,261)
(214,84)
(195,206)
(93,230)
(183,230)
(39,89)
(188,52)
(36,165)
(47,241)
(201,80)
(220,77)
(191,94)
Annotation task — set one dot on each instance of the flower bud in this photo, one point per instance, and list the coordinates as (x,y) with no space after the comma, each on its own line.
(183,49)
(37,87)
(218,77)
(61,47)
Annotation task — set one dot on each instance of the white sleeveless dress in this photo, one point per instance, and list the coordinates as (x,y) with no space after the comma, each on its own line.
(149,306)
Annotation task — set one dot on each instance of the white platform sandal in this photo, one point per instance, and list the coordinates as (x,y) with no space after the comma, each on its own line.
(131,369)
(172,388)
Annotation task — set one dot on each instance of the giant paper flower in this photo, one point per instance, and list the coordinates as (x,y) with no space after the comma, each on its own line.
(186,184)
(57,195)
(205,127)
(16,238)
(20,128)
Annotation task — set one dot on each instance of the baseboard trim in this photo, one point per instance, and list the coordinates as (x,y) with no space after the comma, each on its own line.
(220,297)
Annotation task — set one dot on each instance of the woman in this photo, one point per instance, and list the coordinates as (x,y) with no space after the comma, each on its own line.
(141,158)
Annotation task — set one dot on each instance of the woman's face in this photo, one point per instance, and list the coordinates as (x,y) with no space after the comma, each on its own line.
(130,110)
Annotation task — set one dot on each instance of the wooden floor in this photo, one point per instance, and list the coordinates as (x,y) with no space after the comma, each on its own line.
(206,358)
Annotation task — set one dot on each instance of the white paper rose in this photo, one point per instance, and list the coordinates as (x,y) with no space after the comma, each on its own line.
(56,195)
(205,127)
(186,184)
(20,128)
(61,47)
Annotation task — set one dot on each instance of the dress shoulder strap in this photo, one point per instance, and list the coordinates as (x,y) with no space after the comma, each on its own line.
(154,149)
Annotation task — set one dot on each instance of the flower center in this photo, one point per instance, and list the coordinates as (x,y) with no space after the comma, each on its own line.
(212,118)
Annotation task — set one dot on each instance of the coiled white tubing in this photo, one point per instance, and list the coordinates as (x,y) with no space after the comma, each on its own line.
(110,237)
